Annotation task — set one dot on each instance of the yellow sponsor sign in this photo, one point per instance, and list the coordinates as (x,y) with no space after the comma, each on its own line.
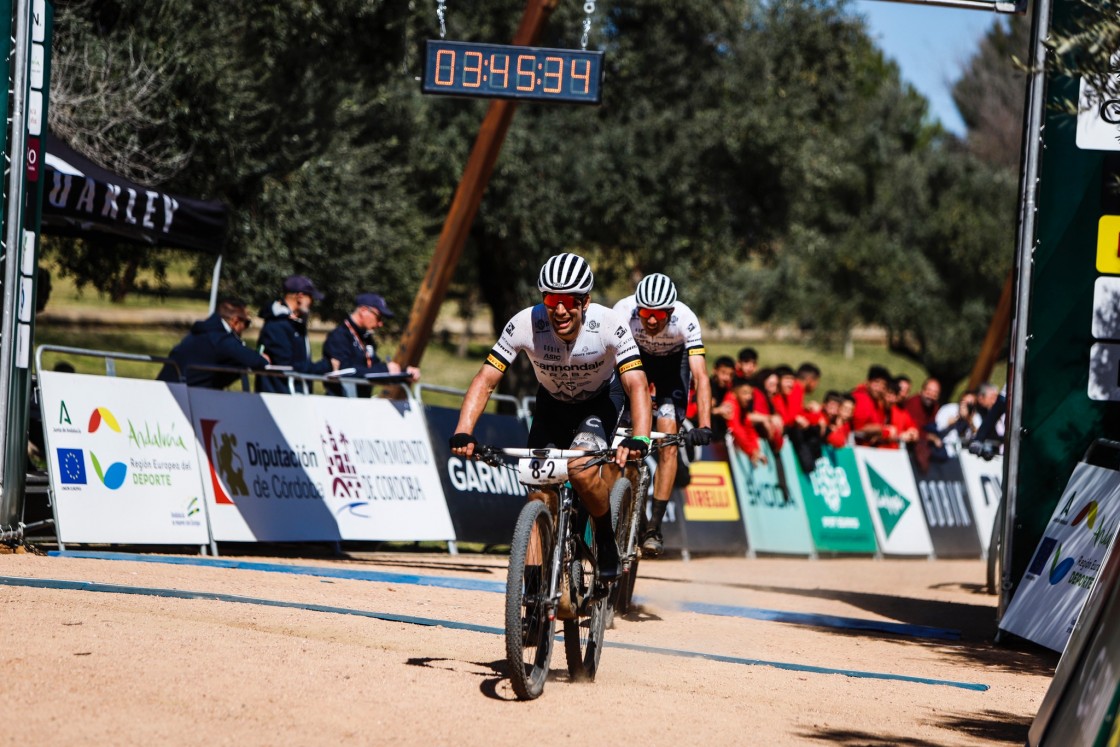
(710,496)
(1108,244)
(493,361)
(628,366)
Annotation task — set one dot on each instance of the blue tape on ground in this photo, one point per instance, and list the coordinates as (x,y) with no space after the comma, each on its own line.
(41,583)
(466,584)
(499,587)
(826,621)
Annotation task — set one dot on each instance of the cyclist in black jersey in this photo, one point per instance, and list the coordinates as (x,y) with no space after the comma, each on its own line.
(588,367)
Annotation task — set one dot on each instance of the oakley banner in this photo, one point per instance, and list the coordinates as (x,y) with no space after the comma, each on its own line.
(122,461)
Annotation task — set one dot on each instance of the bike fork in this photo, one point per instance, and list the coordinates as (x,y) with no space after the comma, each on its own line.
(554,584)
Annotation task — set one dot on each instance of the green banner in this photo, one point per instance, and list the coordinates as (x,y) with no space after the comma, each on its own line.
(832,494)
(1069,394)
(775,521)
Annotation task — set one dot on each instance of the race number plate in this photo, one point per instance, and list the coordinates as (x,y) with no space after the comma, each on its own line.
(538,471)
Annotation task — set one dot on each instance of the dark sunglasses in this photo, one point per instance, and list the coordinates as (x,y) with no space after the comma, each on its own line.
(658,314)
(570,301)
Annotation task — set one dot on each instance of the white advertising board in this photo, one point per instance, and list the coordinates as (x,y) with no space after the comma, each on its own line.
(984,481)
(122,461)
(280,468)
(1072,550)
(892,497)
(382,480)
(1098,120)
(263,467)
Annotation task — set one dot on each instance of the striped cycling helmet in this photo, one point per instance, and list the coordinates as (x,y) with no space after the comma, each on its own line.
(566,273)
(656,291)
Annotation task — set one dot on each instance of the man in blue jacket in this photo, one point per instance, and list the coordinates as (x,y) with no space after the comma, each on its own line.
(284,337)
(214,341)
(351,345)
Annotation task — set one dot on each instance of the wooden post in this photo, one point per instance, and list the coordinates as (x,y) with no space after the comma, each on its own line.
(996,337)
(464,206)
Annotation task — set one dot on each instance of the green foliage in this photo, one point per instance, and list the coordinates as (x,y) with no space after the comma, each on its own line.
(765,155)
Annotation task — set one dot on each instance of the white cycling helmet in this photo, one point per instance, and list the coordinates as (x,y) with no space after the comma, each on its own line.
(656,291)
(566,273)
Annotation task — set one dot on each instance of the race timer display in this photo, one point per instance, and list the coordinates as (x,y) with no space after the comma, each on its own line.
(569,76)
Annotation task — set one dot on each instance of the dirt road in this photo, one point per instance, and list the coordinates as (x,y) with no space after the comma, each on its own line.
(406,649)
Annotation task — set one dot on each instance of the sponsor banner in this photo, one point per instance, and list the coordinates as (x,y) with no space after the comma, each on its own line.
(945,503)
(984,480)
(1067,559)
(382,480)
(710,494)
(833,499)
(122,461)
(264,470)
(483,501)
(774,520)
(892,497)
(286,469)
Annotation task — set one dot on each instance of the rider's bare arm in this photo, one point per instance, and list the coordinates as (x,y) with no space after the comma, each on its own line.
(699,368)
(474,402)
(637,392)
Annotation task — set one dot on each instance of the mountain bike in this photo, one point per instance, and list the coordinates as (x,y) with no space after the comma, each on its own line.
(628,509)
(553,571)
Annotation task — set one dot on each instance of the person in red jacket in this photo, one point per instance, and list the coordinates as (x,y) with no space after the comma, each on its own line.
(740,402)
(870,414)
(839,429)
(923,408)
(900,427)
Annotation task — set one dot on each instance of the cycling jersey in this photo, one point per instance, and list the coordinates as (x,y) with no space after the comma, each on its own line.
(569,371)
(681,333)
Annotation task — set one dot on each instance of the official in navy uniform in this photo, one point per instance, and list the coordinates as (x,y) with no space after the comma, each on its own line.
(214,341)
(284,336)
(351,345)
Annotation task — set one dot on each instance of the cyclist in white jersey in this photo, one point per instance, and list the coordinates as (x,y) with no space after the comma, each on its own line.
(588,366)
(668,336)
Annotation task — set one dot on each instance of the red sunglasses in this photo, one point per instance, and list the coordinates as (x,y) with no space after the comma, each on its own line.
(658,314)
(570,301)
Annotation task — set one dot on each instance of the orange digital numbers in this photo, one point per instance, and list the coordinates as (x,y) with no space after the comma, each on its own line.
(554,70)
(585,76)
(505,71)
(475,69)
(445,63)
(523,73)
(496,70)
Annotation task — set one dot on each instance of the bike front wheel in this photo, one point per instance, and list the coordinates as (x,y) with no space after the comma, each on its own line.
(529,631)
(623,506)
(583,636)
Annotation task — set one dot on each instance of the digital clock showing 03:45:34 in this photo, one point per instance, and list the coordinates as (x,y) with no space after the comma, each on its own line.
(501,71)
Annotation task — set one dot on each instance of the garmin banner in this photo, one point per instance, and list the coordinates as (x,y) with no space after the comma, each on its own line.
(892,497)
(775,522)
(122,461)
(1072,550)
(285,469)
(483,501)
(945,503)
(833,498)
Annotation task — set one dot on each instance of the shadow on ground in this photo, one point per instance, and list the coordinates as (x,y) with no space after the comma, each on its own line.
(992,726)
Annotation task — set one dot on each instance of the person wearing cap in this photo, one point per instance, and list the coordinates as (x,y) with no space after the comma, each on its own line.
(351,344)
(214,341)
(284,337)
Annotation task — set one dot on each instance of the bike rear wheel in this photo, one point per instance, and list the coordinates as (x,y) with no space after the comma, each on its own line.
(583,636)
(529,631)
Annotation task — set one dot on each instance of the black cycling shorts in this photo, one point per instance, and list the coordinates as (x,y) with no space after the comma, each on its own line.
(670,376)
(589,423)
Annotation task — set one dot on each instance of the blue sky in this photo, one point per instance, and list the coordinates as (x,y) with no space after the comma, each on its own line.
(930,44)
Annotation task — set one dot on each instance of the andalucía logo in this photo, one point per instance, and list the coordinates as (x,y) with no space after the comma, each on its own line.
(113,477)
(1061,567)
(227,469)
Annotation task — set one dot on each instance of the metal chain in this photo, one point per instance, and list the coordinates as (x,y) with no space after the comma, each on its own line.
(589,9)
(441,13)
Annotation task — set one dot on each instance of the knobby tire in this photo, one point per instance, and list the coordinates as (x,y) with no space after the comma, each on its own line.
(529,632)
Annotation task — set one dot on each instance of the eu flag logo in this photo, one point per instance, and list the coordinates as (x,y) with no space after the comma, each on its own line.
(72,466)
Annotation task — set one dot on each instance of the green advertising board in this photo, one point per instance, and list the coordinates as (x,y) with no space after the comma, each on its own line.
(774,520)
(832,494)
(1069,382)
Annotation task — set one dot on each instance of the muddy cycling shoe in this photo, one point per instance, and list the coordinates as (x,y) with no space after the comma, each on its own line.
(652,544)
